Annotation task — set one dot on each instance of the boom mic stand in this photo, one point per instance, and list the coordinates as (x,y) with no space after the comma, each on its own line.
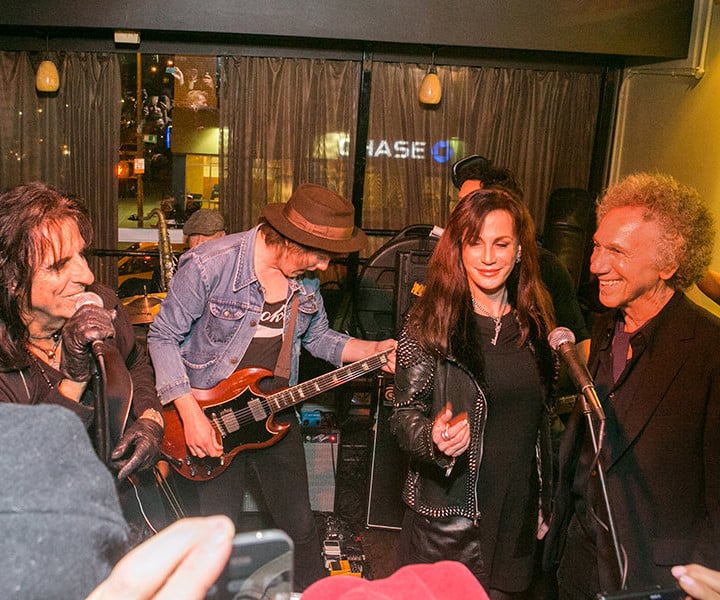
(596,444)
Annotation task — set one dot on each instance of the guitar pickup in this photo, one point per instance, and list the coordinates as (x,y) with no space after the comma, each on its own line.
(229,419)
(256,409)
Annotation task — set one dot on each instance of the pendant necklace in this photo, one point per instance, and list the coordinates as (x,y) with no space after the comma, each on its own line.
(56,337)
(497,320)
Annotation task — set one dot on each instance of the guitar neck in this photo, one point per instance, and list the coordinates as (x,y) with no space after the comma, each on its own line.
(304,391)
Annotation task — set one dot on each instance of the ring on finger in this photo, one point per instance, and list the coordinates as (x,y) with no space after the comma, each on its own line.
(444,435)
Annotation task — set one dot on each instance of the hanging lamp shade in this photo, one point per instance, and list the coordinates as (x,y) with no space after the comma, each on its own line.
(430,89)
(47,78)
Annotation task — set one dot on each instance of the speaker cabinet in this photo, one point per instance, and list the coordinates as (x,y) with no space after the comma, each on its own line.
(378,297)
(388,466)
(409,280)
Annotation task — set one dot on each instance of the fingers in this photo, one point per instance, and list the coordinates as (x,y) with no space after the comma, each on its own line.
(698,581)
(444,417)
(201,438)
(451,434)
(202,441)
(137,460)
(144,438)
(389,367)
(120,449)
(458,439)
(182,561)
(129,466)
(94,322)
(88,324)
(206,446)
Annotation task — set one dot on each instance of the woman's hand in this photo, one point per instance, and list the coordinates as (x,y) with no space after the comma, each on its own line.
(451,434)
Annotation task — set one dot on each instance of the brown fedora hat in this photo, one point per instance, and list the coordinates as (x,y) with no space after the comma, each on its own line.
(318,218)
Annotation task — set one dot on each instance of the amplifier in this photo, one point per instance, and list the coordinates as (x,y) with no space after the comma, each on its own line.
(321,454)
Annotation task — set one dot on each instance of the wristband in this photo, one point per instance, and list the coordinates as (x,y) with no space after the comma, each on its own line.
(154,416)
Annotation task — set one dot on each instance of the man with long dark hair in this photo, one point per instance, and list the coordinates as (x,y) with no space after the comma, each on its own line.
(45,333)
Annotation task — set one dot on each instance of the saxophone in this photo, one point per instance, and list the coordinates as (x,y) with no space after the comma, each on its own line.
(168,262)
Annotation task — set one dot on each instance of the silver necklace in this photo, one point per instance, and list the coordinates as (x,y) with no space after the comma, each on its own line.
(497,320)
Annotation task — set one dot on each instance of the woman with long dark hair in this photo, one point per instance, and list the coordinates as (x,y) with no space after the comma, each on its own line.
(472,393)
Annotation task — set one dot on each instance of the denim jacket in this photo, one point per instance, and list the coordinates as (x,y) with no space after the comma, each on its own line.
(208,319)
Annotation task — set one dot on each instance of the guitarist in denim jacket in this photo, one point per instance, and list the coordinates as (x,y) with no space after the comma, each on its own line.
(228,309)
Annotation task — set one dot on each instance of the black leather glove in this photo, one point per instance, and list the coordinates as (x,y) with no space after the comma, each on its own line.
(141,442)
(89,323)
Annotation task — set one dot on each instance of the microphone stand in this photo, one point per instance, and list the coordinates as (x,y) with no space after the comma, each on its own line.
(102,435)
(596,441)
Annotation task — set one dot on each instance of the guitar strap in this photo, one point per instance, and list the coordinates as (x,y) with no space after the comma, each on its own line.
(282,368)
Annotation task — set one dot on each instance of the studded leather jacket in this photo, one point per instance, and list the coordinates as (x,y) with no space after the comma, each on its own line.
(424,383)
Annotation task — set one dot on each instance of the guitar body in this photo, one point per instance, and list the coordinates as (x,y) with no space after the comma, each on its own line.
(242,415)
(221,405)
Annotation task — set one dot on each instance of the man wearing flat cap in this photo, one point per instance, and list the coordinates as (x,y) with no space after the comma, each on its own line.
(230,306)
(203,225)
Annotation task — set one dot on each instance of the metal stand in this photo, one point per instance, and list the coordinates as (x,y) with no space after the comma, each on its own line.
(102,417)
(588,411)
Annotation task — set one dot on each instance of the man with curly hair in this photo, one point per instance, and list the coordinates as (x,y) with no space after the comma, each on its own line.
(655,359)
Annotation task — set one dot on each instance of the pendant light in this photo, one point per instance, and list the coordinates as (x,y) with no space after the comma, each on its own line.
(430,89)
(47,78)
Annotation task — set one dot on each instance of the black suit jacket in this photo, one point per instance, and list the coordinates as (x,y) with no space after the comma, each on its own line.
(662,466)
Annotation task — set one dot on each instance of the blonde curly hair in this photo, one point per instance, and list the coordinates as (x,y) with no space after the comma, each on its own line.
(686,222)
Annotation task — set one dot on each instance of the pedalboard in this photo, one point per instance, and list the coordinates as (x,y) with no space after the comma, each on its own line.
(342,552)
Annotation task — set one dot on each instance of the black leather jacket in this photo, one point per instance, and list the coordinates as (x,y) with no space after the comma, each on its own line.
(424,383)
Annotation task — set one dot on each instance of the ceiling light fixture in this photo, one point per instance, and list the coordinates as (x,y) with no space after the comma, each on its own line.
(430,89)
(47,78)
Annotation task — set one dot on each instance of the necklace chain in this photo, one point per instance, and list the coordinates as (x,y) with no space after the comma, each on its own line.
(56,337)
(496,319)
(38,364)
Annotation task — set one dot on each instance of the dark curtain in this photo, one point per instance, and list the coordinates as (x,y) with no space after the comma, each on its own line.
(69,139)
(540,124)
(285,121)
(25,151)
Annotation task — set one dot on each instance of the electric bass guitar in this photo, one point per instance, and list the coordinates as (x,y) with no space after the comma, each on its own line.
(243,416)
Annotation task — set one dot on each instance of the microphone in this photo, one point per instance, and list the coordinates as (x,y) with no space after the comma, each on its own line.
(91,298)
(562,340)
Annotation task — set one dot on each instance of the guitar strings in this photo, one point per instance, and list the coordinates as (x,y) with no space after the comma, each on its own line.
(244,415)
